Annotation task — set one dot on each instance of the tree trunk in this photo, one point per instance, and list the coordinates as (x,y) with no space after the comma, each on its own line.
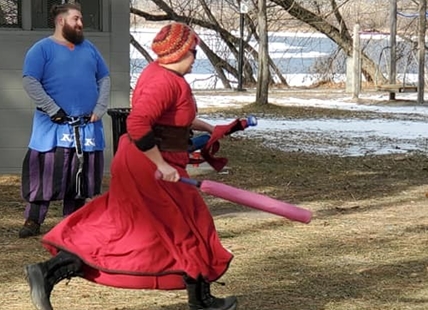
(275,69)
(263,73)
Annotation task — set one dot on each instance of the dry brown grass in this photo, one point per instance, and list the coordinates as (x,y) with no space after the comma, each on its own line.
(364,249)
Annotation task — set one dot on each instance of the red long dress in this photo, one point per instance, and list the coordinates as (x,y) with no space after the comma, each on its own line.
(146,233)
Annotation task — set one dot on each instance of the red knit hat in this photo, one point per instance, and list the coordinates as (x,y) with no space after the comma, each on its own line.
(173,42)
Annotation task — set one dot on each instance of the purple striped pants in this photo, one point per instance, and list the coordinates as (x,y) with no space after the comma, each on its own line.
(50,176)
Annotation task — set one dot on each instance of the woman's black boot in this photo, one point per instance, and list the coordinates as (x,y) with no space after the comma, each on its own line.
(200,297)
(42,277)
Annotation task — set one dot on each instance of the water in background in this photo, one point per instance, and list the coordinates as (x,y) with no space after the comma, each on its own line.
(302,58)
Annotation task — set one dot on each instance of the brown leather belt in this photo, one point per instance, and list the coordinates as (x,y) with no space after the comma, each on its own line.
(172,138)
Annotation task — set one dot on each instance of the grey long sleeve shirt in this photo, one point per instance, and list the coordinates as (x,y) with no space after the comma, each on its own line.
(44,102)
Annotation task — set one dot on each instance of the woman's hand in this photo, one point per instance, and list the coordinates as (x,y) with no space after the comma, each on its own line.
(164,171)
(168,173)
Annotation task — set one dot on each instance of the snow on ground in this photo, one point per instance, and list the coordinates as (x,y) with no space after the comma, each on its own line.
(343,137)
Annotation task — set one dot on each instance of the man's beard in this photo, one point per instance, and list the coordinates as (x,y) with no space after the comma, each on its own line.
(72,35)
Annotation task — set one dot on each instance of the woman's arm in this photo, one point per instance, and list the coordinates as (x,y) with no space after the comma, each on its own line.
(201,125)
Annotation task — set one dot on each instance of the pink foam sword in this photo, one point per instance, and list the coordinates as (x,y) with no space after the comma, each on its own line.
(250,199)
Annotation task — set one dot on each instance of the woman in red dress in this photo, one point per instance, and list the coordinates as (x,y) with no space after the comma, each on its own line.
(145,233)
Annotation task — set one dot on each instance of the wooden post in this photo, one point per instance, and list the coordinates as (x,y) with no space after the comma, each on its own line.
(393,47)
(421,52)
(356,66)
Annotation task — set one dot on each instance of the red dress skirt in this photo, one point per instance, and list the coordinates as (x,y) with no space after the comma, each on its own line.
(143,233)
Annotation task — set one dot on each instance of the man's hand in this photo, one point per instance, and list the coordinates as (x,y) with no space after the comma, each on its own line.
(59,117)
(94,118)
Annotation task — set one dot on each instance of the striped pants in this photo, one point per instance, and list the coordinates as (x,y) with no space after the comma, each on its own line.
(50,176)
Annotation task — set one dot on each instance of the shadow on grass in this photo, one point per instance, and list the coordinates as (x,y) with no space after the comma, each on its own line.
(306,178)
(337,211)
(300,178)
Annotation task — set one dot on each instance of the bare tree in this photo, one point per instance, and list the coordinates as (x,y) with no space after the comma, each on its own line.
(330,17)
(201,15)
(339,34)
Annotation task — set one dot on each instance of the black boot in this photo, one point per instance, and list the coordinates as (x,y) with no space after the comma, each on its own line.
(43,276)
(30,229)
(200,297)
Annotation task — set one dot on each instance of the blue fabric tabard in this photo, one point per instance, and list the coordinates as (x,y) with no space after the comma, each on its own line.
(69,77)
(49,135)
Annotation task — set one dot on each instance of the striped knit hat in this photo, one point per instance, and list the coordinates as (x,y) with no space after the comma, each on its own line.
(173,42)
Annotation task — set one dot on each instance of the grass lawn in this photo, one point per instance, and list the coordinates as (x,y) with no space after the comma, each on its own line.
(366,247)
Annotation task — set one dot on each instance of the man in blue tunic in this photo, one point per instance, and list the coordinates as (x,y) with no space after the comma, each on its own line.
(68,80)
